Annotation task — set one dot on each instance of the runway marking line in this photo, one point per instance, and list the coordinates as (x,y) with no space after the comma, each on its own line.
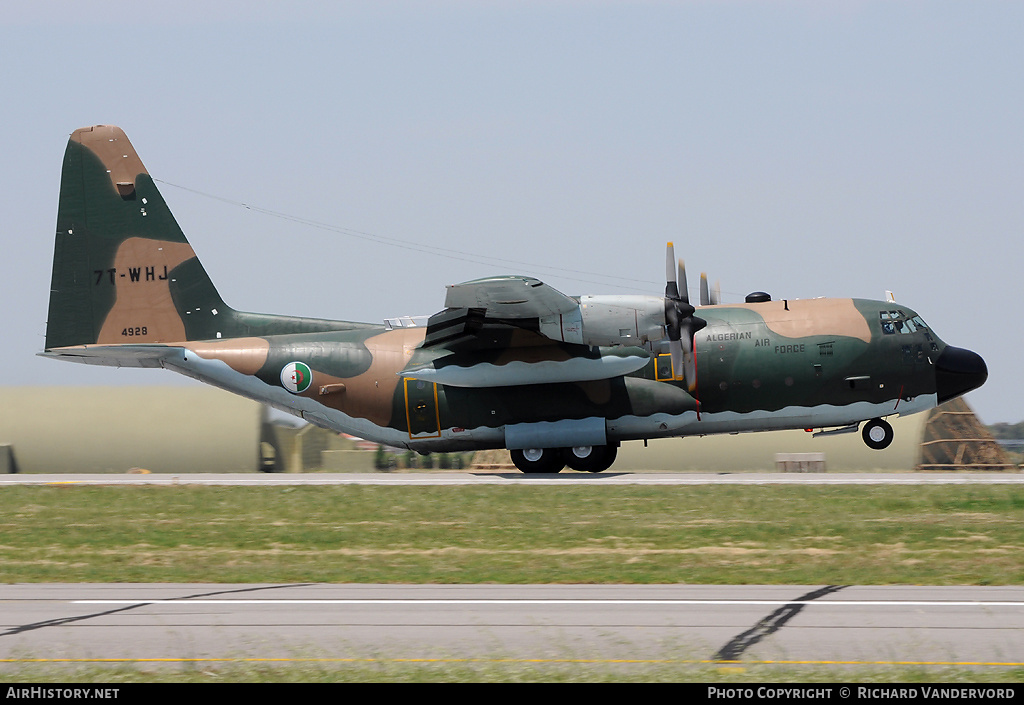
(682,662)
(384,601)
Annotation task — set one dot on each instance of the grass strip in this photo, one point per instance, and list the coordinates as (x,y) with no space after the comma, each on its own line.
(941,535)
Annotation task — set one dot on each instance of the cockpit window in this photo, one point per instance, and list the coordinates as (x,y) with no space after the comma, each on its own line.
(888,321)
(897,321)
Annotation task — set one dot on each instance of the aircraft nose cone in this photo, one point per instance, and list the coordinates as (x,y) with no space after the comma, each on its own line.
(958,371)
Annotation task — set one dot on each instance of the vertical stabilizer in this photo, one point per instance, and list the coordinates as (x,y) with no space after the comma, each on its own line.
(123,271)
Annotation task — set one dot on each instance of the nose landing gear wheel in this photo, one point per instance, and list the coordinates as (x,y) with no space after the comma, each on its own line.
(877,434)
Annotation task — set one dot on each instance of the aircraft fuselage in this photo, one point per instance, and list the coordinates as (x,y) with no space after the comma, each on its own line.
(782,364)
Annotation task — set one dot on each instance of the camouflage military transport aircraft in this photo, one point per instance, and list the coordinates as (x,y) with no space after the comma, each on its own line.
(509,362)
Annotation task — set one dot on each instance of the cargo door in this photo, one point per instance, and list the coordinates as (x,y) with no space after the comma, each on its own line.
(421,409)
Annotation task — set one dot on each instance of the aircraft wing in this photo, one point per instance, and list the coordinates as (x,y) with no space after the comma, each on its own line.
(510,297)
(484,313)
(498,332)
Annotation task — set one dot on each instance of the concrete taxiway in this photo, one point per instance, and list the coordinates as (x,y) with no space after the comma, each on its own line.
(539,623)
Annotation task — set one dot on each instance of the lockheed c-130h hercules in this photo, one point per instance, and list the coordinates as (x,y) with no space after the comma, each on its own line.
(508,363)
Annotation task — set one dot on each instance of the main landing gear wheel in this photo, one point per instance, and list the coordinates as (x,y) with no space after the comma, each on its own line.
(538,460)
(877,434)
(590,458)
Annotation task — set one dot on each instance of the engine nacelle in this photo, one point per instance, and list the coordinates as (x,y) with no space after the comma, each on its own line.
(609,320)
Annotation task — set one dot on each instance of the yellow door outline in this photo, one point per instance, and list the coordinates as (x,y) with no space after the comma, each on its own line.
(418,408)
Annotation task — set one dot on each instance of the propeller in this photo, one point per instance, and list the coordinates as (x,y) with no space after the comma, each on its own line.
(680,323)
(712,297)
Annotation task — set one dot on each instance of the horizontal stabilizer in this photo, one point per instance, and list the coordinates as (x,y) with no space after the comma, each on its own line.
(114,355)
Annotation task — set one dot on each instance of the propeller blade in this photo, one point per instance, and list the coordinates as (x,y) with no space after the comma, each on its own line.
(690,369)
(684,290)
(716,294)
(671,286)
(705,297)
(675,347)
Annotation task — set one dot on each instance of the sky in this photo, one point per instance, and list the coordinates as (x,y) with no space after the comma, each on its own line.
(349,160)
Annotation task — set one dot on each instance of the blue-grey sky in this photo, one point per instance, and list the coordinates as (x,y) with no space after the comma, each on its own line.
(805,148)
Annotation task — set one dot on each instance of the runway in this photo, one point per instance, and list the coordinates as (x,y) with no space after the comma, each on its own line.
(167,623)
(182,623)
(517,478)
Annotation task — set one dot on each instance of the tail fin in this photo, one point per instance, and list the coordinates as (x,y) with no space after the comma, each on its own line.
(123,271)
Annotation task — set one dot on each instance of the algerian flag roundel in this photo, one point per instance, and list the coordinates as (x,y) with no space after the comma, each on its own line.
(296,377)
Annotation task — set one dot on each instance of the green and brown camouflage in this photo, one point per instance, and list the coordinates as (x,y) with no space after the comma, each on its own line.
(509,362)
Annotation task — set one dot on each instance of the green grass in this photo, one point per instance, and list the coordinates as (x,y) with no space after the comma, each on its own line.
(942,535)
